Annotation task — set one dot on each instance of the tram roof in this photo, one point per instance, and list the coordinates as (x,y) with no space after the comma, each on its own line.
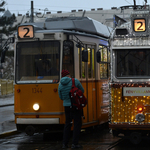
(80,24)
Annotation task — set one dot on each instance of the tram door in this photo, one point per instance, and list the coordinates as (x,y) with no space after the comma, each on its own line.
(88,75)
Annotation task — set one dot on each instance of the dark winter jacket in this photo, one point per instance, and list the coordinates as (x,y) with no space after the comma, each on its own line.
(65,87)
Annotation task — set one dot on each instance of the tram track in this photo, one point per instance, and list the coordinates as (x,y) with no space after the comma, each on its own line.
(114,144)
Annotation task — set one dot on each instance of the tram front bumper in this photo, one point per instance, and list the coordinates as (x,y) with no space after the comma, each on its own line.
(127,126)
(37,121)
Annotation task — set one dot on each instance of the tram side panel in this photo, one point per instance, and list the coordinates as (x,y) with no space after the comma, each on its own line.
(103,101)
(96,111)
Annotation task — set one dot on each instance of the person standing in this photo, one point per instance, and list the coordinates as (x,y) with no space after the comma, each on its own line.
(70,113)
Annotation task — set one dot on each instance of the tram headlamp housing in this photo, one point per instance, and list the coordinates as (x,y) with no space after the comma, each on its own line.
(36,106)
(140,117)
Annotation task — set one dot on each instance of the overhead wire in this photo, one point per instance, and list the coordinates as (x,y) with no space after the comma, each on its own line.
(128,2)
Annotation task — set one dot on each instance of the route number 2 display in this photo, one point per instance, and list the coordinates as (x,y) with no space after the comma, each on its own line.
(139,25)
(25,32)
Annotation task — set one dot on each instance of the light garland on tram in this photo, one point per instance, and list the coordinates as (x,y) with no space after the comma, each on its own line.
(124,111)
(137,41)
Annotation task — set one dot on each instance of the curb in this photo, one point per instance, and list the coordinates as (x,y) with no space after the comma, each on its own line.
(8,95)
(9,133)
(7,105)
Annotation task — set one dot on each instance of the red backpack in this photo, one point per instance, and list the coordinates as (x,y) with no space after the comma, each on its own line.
(78,100)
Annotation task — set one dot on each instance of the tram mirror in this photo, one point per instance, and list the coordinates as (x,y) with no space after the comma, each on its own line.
(98,56)
(85,55)
(78,45)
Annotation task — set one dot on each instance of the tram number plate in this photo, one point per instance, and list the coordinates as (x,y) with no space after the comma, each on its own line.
(36,90)
(147,109)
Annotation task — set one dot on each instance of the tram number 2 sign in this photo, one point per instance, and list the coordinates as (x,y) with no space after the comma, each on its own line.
(25,32)
(139,25)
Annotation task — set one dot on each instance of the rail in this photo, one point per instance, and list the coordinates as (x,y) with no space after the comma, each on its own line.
(6,87)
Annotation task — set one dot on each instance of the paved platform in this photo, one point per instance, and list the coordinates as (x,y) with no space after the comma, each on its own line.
(6,100)
(7,123)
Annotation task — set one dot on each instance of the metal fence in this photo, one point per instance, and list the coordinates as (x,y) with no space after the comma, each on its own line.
(6,86)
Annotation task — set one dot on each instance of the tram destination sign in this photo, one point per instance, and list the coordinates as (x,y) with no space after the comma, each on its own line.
(136,91)
(25,32)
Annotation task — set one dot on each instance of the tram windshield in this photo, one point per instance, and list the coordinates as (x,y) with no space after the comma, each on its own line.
(133,63)
(37,62)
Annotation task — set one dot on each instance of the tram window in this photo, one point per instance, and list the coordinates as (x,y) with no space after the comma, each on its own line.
(81,63)
(83,67)
(93,68)
(103,54)
(105,60)
(103,70)
(91,71)
(68,57)
(133,63)
(89,63)
(37,61)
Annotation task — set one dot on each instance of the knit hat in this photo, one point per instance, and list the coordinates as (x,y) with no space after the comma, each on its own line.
(64,73)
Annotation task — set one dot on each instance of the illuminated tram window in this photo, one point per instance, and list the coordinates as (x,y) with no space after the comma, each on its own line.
(83,68)
(89,63)
(105,59)
(93,69)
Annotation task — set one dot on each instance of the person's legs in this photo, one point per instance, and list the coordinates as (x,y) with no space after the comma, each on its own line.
(77,126)
(67,128)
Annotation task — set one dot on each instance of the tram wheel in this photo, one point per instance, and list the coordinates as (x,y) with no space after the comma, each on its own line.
(115,132)
(135,137)
(30,130)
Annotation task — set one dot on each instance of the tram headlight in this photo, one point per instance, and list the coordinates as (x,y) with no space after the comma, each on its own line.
(36,106)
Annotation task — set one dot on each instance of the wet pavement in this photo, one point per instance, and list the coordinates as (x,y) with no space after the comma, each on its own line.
(96,139)
(99,138)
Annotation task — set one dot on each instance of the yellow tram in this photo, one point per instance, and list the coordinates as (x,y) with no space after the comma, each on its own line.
(130,77)
(42,50)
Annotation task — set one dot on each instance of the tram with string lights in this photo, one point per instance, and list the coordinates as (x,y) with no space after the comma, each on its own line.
(130,77)
(42,51)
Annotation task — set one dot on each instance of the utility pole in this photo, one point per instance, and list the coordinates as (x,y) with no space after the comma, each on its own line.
(32,17)
(145,3)
(1,67)
(134,4)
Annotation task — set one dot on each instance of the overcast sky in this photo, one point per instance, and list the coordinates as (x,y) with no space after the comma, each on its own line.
(23,6)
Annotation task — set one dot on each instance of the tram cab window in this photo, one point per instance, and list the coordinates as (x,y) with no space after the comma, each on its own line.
(133,63)
(38,62)
(68,57)
(105,60)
